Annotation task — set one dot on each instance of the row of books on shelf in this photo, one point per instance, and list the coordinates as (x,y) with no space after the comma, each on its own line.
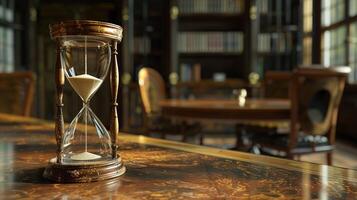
(277,9)
(266,6)
(263,6)
(275,42)
(189,72)
(210,6)
(142,45)
(202,42)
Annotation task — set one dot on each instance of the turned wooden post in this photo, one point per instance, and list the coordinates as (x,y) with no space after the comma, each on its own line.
(59,126)
(114,84)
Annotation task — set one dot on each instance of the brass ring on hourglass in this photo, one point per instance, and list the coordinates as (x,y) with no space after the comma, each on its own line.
(86,27)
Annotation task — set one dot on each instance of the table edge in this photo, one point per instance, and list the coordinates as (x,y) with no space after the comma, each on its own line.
(301,166)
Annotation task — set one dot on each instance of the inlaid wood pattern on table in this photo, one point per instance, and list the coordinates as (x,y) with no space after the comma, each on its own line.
(158,169)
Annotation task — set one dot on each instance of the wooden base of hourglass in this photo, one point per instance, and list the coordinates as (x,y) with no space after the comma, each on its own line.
(84,173)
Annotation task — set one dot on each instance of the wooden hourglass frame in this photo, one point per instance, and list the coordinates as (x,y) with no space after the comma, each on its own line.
(56,170)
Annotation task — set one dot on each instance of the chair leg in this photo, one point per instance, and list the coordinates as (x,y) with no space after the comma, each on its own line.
(290,156)
(329,158)
(255,149)
(201,139)
(184,138)
(239,140)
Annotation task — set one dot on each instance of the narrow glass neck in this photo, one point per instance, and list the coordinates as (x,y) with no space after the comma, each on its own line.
(86,104)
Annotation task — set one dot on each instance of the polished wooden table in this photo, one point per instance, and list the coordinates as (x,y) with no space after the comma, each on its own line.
(254,109)
(160,169)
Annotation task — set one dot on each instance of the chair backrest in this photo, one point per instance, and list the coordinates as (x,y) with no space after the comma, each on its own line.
(152,90)
(316,95)
(17,91)
(276,84)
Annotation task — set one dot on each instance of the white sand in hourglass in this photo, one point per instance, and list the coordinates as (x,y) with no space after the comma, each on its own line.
(85,85)
(85,156)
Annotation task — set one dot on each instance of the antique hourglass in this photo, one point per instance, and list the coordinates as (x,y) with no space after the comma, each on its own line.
(86,151)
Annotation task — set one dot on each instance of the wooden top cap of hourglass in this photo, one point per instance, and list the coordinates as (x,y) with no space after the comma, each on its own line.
(86,27)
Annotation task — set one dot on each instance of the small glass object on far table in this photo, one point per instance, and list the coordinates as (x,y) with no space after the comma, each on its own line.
(240,95)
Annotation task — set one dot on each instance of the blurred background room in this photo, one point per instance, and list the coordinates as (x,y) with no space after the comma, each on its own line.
(272,77)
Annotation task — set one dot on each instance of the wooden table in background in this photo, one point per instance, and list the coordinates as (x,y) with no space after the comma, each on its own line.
(254,109)
(160,169)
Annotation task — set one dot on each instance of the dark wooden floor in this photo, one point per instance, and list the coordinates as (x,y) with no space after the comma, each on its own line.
(344,156)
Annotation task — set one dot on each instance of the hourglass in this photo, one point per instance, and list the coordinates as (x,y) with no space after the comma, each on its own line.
(86,151)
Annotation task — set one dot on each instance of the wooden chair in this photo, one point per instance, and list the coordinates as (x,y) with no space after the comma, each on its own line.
(276,84)
(315,98)
(152,90)
(17,91)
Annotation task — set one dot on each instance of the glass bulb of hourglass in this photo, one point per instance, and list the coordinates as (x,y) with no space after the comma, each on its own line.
(85,85)
(86,60)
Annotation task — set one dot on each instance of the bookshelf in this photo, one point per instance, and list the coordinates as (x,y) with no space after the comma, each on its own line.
(207,37)
(145,44)
(277,30)
(149,35)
